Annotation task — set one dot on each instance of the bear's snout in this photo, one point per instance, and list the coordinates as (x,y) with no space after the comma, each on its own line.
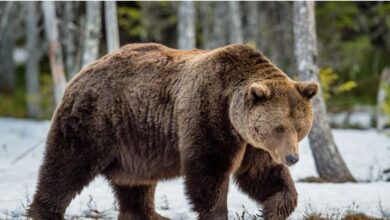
(292,159)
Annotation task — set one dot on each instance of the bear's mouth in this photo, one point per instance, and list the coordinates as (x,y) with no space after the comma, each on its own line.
(280,160)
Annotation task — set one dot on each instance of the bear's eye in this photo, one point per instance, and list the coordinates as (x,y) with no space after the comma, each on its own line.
(279,129)
(299,130)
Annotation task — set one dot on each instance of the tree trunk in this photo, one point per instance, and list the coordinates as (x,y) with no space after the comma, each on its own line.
(218,33)
(206,22)
(69,33)
(186,25)
(235,32)
(92,32)
(329,163)
(7,43)
(55,50)
(252,27)
(383,101)
(32,63)
(112,31)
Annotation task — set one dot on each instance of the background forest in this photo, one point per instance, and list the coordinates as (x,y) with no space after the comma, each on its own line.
(344,167)
(353,44)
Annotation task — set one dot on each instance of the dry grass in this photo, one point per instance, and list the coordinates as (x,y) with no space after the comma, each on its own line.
(354,216)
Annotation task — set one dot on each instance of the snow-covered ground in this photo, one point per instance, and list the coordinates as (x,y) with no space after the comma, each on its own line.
(366,153)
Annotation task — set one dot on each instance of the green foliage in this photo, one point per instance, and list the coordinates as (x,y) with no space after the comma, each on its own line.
(47,97)
(356,44)
(386,105)
(129,19)
(328,79)
(346,87)
(15,105)
(149,21)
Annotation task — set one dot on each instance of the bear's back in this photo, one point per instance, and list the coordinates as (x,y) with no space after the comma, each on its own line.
(132,92)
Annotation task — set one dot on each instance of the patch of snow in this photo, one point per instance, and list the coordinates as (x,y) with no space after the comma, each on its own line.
(361,118)
(366,153)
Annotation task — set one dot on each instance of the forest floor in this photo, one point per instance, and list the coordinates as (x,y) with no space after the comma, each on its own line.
(367,154)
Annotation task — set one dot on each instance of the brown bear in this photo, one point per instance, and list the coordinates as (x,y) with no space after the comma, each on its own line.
(147,113)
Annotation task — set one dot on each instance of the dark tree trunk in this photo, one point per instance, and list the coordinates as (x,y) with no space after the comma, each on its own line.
(235,32)
(7,43)
(251,27)
(329,163)
(218,33)
(32,63)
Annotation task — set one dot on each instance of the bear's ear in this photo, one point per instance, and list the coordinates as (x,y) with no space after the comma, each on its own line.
(259,91)
(308,89)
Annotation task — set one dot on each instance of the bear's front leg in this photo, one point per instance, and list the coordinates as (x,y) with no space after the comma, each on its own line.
(268,183)
(207,181)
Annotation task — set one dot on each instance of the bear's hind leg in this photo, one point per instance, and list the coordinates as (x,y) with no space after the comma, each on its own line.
(60,179)
(68,166)
(136,202)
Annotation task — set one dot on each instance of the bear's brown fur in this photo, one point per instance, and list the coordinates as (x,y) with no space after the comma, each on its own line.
(147,113)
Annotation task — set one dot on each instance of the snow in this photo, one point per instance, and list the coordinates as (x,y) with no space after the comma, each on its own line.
(367,154)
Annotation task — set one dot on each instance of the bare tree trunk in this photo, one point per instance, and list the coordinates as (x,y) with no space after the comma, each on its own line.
(6,10)
(80,39)
(32,64)
(92,32)
(186,26)
(383,101)
(205,18)
(329,163)
(252,27)
(112,31)
(55,50)
(218,33)
(7,43)
(235,32)
(69,33)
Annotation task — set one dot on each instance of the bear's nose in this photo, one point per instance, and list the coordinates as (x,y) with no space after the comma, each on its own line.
(292,159)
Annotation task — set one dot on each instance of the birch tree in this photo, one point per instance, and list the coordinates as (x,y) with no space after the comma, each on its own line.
(55,50)
(92,32)
(186,25)
(111,21)
(69,32)
(235,32)
(32,63)
(328,161)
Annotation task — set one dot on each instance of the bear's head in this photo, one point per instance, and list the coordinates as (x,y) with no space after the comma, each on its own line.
(274,115)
